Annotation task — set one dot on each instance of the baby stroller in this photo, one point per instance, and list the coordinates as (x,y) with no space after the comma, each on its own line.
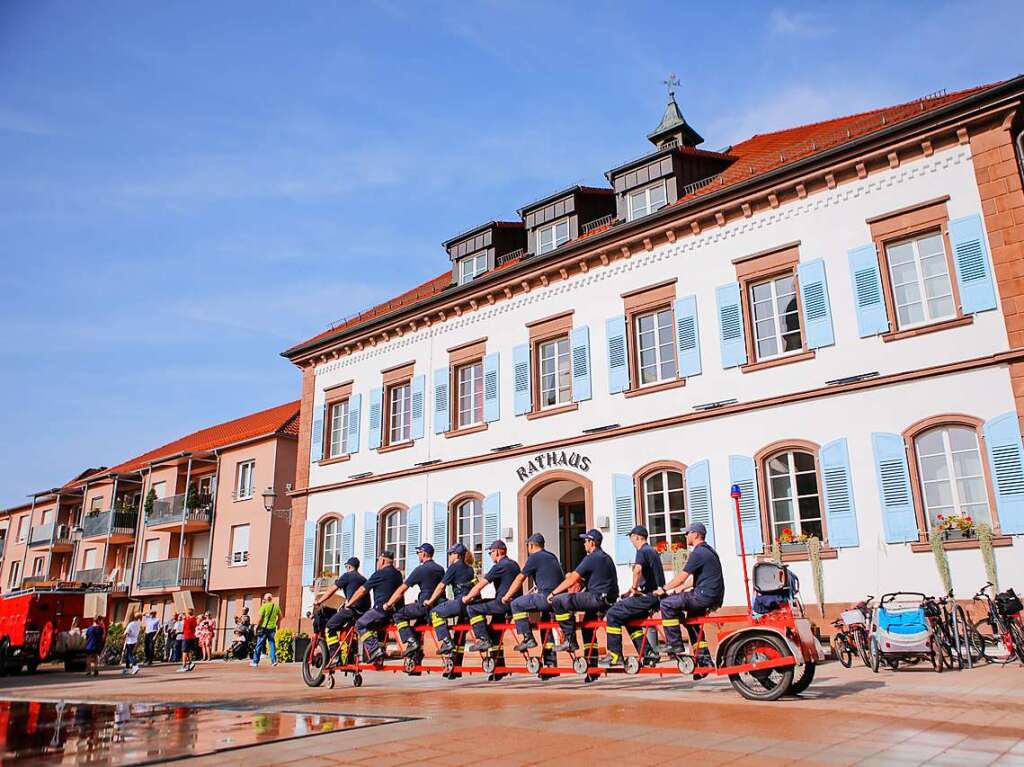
(900,632)
(239,649)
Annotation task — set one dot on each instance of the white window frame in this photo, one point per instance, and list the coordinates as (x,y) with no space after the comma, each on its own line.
(919,280)
(37,565)
(330,546)
(669,513)
(471,511)
(96,504)
(89,563)
(245,479)
(556,240)
(796,524)
(561,362)
(400,413)
(394,527)
(14,574)
(646,209)
(953,479)
(239,557)
(22,531)
(469,383)
(151,546)
(660,344)
(472,267)
(160,488)
(777,330)
(338,441)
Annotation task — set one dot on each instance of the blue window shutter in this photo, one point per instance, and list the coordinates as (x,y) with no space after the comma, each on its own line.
(369,541)
(867,291)
(730,325)
(316,437)
(376,415)
(442,400)
(492,519)
(743,473)
(579,340)
(618,364)
(698,497)
(348,538)
(624,518)
(418,405)
(308,552)
(973,268)
(413,536)
(839,506)
(1006,462)
(521,376)
(355,406)
(440,526)
(893,479)
(814,303)
(687,336)
(492,400)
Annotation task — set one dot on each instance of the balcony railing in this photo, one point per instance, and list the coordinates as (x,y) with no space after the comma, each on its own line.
(173,510)
(590,226)
(95,575)
(511,256)
(41,535)
(30,580)
(109,521)
(163,573)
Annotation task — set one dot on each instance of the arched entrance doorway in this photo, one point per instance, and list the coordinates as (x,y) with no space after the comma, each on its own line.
(559,505)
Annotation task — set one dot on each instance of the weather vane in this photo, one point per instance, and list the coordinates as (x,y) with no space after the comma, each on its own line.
(671,83)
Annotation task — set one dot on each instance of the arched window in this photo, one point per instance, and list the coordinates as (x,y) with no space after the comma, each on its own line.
(469,527)
(393,525)
(330,546)
(951,474)
(794,499)
(664,508)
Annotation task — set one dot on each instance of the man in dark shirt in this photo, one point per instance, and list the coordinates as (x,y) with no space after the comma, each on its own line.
(426,576)
(638,603)
(702,575)
(460,577)
(348,583)
(546,571)
(383,583)
(597,571)
(502,573)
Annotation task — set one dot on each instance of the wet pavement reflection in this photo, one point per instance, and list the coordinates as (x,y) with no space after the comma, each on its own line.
(36,732)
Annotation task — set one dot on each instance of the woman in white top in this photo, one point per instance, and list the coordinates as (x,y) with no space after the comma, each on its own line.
(132,632)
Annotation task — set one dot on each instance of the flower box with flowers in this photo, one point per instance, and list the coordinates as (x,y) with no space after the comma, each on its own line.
(956,526)
(788,541)
(673,556)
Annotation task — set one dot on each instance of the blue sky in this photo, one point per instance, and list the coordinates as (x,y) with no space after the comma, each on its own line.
(187,188)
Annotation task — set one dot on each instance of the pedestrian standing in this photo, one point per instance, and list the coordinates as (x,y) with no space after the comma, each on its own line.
(179,626)
(132,632)
(169,638)
(152,625)
(266,629)
(188,641)
(95,637)
(205,635)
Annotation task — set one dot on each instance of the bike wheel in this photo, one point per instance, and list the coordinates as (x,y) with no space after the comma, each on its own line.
(860,637)
(937,654)
(767,684)
(314,663)
(983,641)
(841,649)
(950,657)
(802,678)
(876,657)
(1017,633)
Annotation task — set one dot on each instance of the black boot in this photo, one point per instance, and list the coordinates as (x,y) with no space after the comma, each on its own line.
(526,645)
(446,647)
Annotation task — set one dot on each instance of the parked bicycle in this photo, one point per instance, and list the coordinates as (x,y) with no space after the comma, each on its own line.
(951,630)
(1001,628)
(851,635)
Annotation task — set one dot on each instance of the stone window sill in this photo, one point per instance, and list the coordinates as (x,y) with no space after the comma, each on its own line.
(474,429)
(803,556)
(956,322)
(750,367)
(336,459)
(958,544)
(396,446)
(566,408)
(663,386)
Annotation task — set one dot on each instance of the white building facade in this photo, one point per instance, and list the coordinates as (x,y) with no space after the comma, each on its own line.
(832,335)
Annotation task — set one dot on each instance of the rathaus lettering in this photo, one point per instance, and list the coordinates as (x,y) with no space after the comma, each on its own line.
(550,460)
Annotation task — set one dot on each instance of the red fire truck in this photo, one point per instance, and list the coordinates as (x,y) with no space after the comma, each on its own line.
(33,627)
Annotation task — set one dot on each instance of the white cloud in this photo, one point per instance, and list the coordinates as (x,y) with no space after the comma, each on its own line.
(795,24)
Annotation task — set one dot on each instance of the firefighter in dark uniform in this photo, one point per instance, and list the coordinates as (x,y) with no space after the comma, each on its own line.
(427,575)
(638,603)
(597,570)
(460,577)
(696,589)
(349,612)
(503,571)
(383,583)
(546,571)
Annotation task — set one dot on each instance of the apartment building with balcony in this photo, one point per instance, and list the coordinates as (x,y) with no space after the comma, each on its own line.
(189,515)
(828,316)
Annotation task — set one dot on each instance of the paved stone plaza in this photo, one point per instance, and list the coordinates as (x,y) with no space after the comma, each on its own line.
(847,717)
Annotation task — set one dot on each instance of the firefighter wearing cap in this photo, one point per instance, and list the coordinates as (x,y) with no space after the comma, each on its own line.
(546,571)
(460,577)
(349,582)
(502,573)
(702,572)
(597,570)
(427,575)
(638,603)
(383,583)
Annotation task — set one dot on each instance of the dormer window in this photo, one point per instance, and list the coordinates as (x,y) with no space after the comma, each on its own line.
(645,201)
(552,236)
(472,267)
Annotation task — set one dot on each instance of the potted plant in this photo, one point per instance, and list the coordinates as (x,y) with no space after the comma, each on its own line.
(150,500)
(956,526)
(666,556)
(679,555)
(789,542)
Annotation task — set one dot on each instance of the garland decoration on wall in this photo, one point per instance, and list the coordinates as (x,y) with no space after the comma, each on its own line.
(935,538)
(817,572)
(776,553)
(988,554)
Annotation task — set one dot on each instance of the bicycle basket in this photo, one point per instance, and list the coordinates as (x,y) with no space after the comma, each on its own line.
(853,617)
(1008,603)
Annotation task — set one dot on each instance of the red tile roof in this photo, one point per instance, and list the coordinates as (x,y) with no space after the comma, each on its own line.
(283,419)
(758,155)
